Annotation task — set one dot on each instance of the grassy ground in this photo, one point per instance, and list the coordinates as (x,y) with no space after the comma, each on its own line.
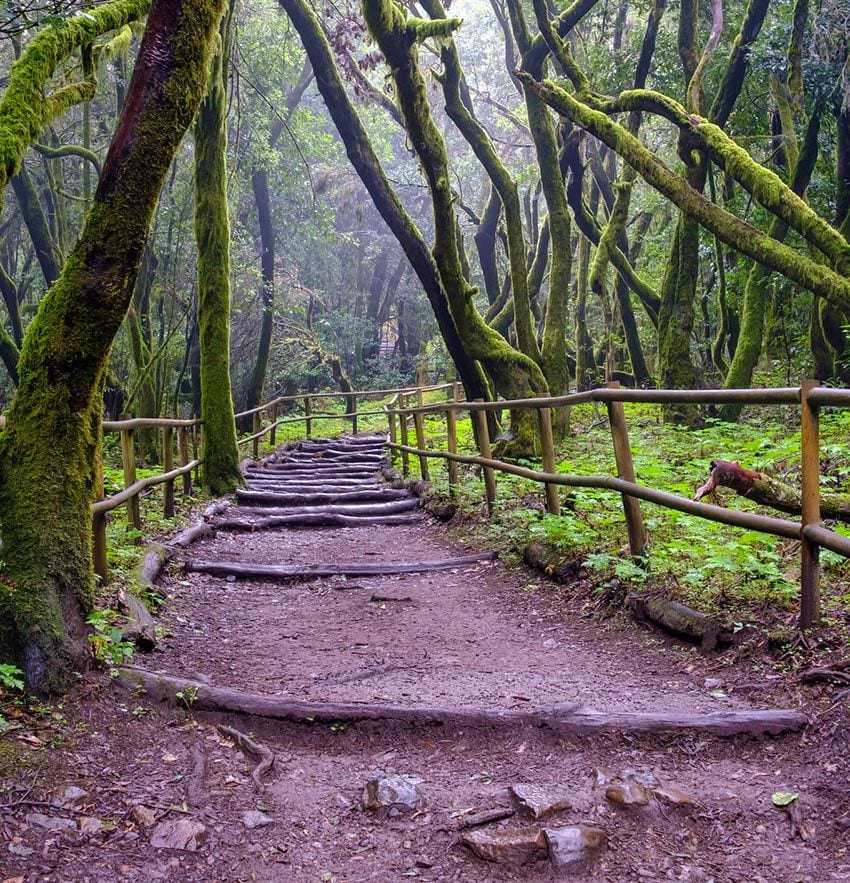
(745,575)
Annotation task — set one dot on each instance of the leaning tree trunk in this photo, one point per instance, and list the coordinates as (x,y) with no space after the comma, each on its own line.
(52,438)
(212,230)
(366,164)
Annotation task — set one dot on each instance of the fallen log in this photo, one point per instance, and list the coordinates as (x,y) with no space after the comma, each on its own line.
(314,520)
(568,719)
(139,626)
(319,499)
(682,621)
(150,567)
(215,509)
(768,491)
(317,571)
(362,509)
(551,562)
(336,457)
(191,534)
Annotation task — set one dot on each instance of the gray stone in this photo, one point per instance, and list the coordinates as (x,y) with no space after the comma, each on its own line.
(673,796)
(627,794)
(540,802)
(393,792)
(256,819)
(49,823)
(186,834)
(515,846)
(90,825)
(20,850)
(70,795)
(143,815)
(574,844)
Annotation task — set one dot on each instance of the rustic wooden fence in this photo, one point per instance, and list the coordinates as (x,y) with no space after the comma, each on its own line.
(809,397)
(183,439)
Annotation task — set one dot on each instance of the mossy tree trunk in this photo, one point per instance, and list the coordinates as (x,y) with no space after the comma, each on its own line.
(514,374)
(52,439)
(365,162)
(212,231)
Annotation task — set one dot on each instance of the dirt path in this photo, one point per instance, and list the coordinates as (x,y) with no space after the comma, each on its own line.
(481,636)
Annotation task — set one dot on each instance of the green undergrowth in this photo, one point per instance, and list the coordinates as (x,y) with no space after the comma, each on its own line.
(710,566)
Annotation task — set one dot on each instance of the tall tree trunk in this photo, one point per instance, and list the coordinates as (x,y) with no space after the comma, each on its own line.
(52,439)
(260,185)
(366,164)
(212,231)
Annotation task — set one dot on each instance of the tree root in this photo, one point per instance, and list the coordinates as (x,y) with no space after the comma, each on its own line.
(247,745)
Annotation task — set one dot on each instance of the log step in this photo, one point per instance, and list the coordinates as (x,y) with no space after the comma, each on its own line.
(570,719)
(319,499)
(317,519)
(316,571)
(362,509)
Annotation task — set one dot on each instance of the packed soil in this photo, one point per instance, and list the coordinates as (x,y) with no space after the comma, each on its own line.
(485,636)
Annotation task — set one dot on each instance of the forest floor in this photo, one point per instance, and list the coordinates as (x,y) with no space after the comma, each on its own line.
(93,786)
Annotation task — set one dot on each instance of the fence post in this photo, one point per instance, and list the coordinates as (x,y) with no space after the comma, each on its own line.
(183,445)
(420,397)
(402,431)
(547,446)
(354,414)
(128,461)
(419,425)
(197,442)
(393,433)
(626,471)
(256,426)
(480,421)
(167,466)
(273,433)
(451,443)
(455,391)
(98,530)
(810,469)
(308,410)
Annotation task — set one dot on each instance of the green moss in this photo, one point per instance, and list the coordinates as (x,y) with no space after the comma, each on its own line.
(212,230)
(24,109)
(52,438)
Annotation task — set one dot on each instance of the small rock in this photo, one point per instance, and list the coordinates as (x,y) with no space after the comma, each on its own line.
(627,794)
(90,825)
(393,792)
(603,776)
(573,844)
(550,643)
(179,834)
(673,796)
(49,823)
(143,815)
(540,802)
(20,850)
(70,795)
(713,683)
(230,578)
(256,819)
(516,846)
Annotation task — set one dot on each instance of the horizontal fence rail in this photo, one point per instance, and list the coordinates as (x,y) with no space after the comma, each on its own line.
(188,442)
(809,397)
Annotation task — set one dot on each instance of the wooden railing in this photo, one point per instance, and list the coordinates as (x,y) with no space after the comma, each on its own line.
(265,422)
(809,397)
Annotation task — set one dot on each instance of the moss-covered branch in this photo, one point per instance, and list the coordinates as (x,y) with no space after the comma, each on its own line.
(761,247)
(25,110)
(459,110)
(513,373)
(365,162)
